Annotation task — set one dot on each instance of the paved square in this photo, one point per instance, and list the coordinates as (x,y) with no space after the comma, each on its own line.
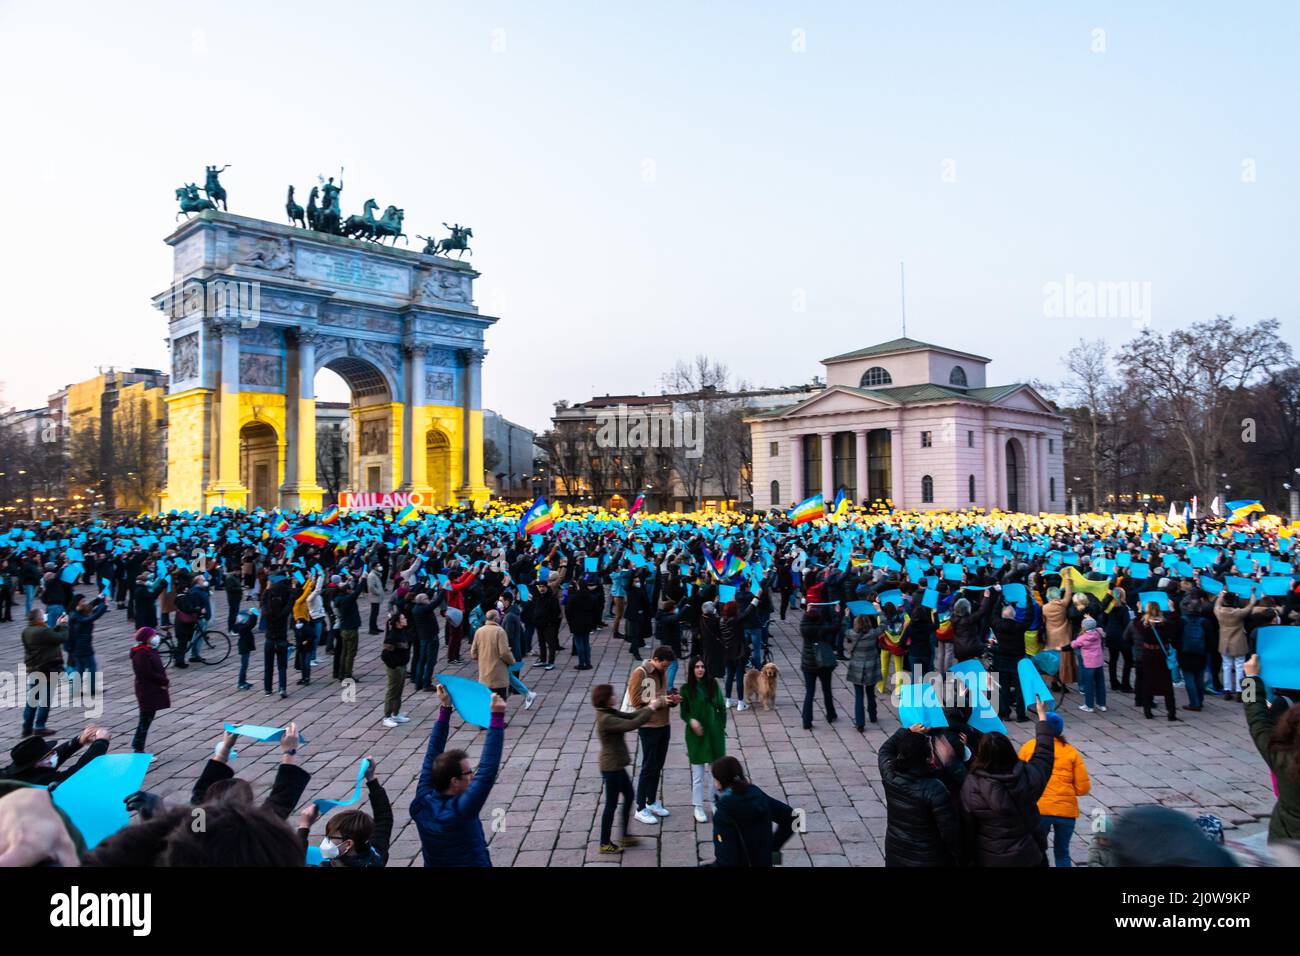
(545,807)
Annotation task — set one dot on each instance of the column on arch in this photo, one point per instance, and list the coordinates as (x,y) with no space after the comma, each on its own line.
(415,461)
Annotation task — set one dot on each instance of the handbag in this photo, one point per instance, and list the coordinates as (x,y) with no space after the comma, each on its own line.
(824,655)
(1171,655)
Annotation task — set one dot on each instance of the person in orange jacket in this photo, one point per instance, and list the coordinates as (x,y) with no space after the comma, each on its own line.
(1058,807)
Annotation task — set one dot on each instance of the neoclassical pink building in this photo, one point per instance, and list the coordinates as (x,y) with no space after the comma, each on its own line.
(915,423)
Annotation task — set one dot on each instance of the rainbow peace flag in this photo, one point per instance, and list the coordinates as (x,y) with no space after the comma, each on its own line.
(280,526)
(810,509)
(539,518)
(409,513)
(330,516)
(734,565)
(636,505)
(315,535)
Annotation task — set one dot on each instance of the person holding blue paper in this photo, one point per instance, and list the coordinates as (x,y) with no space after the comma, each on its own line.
(1154,640)
(1233,643)
(999,799)
(40,762)
(1276,733)
(354,838)
(451,793)
(81,639)
(922,827)
(1008,646)
(863,670)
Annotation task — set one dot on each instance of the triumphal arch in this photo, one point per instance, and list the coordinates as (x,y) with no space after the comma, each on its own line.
(256,308)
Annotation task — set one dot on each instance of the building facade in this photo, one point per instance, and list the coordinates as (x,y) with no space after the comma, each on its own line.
(514,450)
(916,424)
(683,451)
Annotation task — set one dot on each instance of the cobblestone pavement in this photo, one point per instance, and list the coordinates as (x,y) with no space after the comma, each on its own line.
(545,807)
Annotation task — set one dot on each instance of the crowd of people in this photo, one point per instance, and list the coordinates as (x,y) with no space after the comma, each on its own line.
(1102,605)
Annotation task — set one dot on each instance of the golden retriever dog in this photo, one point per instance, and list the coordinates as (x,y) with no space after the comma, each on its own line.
(760,685)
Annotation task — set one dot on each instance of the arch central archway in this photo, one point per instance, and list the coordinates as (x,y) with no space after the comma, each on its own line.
(371,439)
(437,453)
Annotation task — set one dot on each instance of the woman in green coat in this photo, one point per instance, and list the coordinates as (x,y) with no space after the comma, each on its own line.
(1278,742)
(705,712)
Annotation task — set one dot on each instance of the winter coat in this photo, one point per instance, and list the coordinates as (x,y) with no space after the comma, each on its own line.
(491,648)
(814,631)
(582,610)
(922,826)
(712,715)
(864,657)
(151,682)
(1069,780)
(611,727)
(451,833)
(1009,648)
(81,631)
(1284,823)
(1088,643)
(742,827)
(42,648)
(1000,820)
(709,646)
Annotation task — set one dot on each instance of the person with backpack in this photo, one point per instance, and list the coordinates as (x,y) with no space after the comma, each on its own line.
(817,660)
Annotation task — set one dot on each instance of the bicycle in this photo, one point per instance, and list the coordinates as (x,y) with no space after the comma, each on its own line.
(213,646)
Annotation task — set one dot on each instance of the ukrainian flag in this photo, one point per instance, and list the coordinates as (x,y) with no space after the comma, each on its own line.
(841,506)
(1239,509)
(409,513)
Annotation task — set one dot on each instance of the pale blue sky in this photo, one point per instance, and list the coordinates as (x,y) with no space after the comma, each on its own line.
(775,171)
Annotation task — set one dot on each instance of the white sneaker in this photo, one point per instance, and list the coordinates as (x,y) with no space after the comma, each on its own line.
(1085,708)
(1102,709)
(390,723)
(528,701)
(658,809)
(741,705)
(700,815)
(401,718)
(645,816)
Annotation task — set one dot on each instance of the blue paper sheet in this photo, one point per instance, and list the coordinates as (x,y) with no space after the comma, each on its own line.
(984,716)
(258,732)
(894,597)
(1032,684)
(726,593)
(591,565)
(857,608)
(1278,647)
(325,806)
(1016,594)
(1159,598)
(471,699)
(919,704)
(93,796)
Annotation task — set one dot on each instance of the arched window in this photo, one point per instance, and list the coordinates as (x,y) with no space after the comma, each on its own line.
(776,494)
(875,376)
(957,376)
(927,490)
(970,488)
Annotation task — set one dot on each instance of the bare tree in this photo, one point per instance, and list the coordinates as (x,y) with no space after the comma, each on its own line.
(1086,388)
(1195,378)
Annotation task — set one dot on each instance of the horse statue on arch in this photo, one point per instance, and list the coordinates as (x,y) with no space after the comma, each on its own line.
(458,241)
(190,200)
(362,226)
(213,188)
(294,211)
(313,210)
(390,224)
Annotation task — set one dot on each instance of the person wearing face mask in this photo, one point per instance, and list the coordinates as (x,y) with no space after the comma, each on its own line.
(353,837)
(40,762)
(151,683)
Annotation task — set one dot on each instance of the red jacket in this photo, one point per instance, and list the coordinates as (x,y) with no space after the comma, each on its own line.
(151,683)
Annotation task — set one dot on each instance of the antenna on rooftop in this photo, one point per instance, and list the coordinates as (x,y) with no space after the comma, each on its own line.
(902,292)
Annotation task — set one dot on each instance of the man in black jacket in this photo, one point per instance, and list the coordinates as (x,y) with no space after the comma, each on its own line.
(36,760)
(344,597)
(1008,645)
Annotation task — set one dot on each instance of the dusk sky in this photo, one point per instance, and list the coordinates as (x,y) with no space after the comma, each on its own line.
(650,181)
